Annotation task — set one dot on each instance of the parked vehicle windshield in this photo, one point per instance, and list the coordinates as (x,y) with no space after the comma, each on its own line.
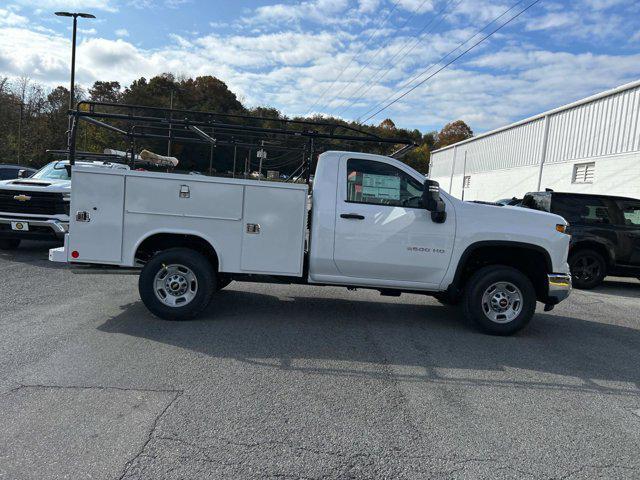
(52,171)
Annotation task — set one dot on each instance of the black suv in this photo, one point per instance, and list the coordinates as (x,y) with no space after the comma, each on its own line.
(605,233)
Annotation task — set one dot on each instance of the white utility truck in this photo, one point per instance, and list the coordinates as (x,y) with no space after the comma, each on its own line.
(370,222)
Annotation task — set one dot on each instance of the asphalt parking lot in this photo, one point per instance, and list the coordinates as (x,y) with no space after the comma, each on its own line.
(298,382)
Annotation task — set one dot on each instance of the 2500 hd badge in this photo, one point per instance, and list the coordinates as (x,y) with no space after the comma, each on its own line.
(425,249)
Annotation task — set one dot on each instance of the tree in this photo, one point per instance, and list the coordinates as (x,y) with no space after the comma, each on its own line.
(453,132)
(387,124)
(105,92)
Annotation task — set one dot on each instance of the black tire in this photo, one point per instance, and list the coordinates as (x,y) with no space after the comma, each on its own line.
(475,305)
(9,243)
(223,281)
(195,266)
(588,269)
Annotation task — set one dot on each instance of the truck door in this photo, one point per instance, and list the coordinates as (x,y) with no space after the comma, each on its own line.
(629,232)
(382,231)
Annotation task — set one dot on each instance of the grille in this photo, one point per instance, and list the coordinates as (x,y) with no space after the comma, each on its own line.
(40,203)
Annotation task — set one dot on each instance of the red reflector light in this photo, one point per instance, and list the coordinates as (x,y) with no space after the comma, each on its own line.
(75,254)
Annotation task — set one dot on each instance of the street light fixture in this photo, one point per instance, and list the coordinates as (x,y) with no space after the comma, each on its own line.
(75,16)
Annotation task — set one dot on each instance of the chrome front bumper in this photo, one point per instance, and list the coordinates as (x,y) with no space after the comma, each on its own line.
(56,227)
(559,287)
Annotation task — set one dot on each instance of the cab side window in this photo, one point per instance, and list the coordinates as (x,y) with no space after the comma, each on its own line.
(630,212)
(583,210)
(378,183)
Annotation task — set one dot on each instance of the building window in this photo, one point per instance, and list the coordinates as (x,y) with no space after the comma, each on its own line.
(583,172)
(466,182)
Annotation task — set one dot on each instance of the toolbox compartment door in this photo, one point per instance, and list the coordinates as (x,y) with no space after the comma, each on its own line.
(101,195)
(274,223)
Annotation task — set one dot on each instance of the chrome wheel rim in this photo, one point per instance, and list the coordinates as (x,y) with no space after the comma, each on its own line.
(175,285)
(502,302)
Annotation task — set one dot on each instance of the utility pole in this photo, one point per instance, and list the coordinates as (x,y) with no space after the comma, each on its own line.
(235,151)
(170,115)
(262,155)
(73,63)
(20,133)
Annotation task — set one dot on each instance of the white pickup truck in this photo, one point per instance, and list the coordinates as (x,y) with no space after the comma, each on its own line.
(371,222)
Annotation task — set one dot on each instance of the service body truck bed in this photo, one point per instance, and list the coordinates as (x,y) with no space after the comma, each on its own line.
(255,227)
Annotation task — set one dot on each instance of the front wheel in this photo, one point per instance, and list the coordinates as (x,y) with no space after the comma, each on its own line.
(177,284)
(588,269)
(499,299)
(9,243)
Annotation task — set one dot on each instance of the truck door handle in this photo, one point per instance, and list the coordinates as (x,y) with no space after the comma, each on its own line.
(353,216)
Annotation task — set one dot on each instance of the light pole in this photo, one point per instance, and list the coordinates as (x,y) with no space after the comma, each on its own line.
(73,61)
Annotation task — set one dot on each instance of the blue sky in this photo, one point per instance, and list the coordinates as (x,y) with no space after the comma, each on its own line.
(341,57)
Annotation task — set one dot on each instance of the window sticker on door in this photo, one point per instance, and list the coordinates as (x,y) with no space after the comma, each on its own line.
(380,186)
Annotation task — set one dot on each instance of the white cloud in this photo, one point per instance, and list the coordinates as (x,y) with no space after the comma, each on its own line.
(418,6)
(87,31)
(368,6)
(551,20)
(122,32)
(74,5)
(325,12)
(9,18)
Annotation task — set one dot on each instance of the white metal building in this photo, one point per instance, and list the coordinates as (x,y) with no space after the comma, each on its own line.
(590,146)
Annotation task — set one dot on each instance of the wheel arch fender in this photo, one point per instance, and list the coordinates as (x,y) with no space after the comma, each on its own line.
(462,272)
(185,234)
(606,249)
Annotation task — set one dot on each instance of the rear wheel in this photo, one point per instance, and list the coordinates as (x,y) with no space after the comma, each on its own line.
(9,243)
(499,299)
(177,284)
(588,269)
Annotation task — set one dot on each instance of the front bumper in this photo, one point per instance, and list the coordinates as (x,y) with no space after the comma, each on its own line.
(559,287)
(39,229)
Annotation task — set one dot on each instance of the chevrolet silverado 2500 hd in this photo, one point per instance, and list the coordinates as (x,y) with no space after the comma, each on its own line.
(374,223)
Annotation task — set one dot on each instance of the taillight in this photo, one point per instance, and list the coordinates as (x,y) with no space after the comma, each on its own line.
(75,254)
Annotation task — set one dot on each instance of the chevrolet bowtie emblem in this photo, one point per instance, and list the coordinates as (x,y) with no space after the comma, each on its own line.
(22,198)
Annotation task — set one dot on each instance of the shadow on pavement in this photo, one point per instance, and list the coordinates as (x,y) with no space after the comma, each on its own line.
(289,333)
(623,287)
(33,253)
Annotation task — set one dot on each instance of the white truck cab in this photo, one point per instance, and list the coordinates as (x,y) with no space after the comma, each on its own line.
(374,222)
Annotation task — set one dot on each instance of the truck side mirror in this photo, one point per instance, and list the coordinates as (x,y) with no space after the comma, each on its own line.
(431,201)
(22,173)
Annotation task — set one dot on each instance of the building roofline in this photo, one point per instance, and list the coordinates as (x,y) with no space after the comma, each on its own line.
(597,96)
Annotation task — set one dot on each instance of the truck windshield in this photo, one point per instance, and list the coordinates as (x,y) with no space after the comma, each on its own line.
(52,171)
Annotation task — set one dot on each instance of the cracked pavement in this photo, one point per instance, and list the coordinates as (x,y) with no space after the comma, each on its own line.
(297,382)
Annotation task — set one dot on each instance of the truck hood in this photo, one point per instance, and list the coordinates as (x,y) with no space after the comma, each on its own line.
(28,184)
(511,216)
(477,222)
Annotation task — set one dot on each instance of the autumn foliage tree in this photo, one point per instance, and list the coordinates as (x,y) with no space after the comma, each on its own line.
(453,132)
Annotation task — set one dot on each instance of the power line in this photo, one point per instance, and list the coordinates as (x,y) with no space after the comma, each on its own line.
(372,82)
(328,103)
(457,57)
(353,58)
(416,76)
